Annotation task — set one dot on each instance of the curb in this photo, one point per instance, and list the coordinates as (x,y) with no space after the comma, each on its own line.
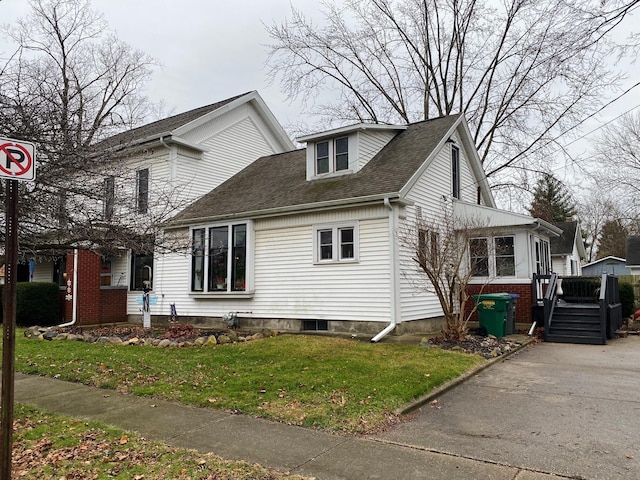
(445,387)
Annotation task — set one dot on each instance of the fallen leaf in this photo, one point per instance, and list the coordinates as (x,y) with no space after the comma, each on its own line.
(124,440)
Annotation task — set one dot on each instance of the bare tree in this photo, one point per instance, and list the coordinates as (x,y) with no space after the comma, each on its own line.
(69,84)
(595,210)
(616,163)
(446,256)
(524,72)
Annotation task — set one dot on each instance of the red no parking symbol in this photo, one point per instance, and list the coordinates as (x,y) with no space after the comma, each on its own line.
(17,159)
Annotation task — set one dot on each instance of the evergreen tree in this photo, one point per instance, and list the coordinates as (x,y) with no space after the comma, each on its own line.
(613,239)
(552,201)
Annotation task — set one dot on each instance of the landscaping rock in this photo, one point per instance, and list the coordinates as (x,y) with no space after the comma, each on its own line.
(115,341)
(49,335)
(164,343)
(211,341)
(258,336)
(224,339)
(200,341)
(103,340)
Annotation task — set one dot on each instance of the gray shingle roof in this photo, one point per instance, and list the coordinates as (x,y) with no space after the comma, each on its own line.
(633,250)
(279,181)
(563,245)
(159,127)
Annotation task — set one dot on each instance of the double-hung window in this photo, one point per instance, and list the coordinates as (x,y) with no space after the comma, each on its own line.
(494,256)
(337,243)
(455,171)
(142,190)
(332,155)
(109,197)
(219,258)
(479,254)
(505,257)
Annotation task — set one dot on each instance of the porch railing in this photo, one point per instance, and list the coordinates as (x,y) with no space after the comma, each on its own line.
(602,291)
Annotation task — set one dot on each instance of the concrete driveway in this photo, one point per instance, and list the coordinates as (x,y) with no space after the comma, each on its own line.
(571,410)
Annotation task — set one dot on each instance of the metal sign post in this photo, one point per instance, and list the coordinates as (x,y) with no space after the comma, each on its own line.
(17,162)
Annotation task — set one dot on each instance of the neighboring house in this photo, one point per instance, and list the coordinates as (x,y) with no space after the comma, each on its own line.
(633,254)
(185,155)
(611,265)
(309,239)
(567,250)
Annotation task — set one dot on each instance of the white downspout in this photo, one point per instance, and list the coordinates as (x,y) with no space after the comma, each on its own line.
(392,270)
(74,300)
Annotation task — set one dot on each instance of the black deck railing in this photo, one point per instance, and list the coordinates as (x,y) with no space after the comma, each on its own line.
(602,291)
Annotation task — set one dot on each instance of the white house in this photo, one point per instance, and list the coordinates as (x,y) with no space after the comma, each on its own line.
(309,239)
(185,156)
(567,250)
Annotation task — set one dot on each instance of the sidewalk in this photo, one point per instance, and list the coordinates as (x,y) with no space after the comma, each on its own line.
(238,437)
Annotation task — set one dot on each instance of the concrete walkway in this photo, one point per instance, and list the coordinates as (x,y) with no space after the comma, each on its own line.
(569,409)
(403,453)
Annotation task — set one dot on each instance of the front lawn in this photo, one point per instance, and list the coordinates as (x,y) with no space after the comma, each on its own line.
(54,446)
(329,383)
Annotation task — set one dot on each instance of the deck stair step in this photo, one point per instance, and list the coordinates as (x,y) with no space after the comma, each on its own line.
(575,323)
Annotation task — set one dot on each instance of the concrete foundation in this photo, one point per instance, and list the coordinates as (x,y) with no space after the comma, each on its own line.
(424,326)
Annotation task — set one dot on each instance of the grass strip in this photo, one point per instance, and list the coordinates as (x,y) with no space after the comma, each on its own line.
(54,446)
(322,382)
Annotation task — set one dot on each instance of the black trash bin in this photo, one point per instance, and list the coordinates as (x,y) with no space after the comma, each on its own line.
(510,327)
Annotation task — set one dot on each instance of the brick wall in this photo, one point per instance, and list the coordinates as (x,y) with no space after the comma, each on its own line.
(95,305)
(523,306)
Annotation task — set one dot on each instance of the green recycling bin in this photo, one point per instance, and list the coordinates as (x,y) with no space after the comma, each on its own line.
(493,309)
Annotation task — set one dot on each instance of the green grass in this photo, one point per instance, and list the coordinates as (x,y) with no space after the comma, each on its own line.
(52,446)
(329,383)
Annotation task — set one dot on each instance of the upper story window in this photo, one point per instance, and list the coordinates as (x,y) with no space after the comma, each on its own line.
(109,197)
(142,190)
(332,155)
(455,171)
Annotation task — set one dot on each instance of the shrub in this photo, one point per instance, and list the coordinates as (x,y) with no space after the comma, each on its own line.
(584,288)
(627,298)
(37,303)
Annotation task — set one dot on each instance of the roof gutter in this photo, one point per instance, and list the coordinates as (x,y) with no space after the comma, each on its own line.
(290,210)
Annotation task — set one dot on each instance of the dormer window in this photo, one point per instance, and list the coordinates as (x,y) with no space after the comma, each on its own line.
(332,156)
(345,150)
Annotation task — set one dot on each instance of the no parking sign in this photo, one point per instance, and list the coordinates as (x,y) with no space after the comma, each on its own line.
(17,159)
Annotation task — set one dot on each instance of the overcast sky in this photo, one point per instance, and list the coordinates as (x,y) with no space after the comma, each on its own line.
(211,50)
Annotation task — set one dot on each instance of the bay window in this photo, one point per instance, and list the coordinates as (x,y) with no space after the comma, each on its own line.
(219,258)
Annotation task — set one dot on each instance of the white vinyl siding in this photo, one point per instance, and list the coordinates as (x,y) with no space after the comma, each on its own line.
(431,193)
(370,142)
(287,283)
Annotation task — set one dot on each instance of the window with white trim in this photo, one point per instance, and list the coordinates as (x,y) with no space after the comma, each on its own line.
(109,193)
(332,155)
(219,258)
(336,243)
(142,190)
(455,171)
(493,256)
